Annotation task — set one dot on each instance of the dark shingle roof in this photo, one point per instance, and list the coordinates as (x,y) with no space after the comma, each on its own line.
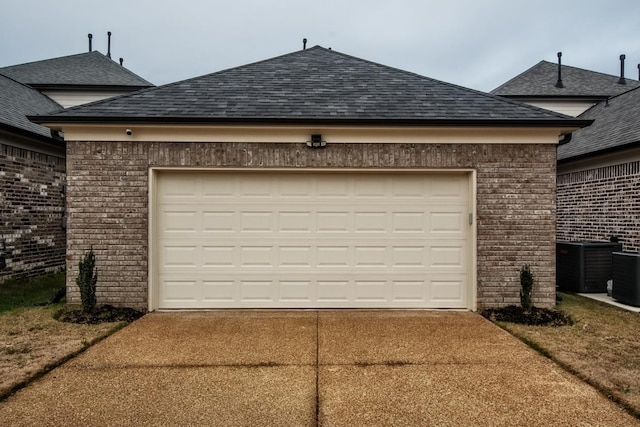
(315,84)
(540,81)
(17,101)
(85,69)
(616,125)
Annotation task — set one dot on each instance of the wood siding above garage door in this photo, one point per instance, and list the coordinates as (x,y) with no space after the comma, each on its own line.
(312,239)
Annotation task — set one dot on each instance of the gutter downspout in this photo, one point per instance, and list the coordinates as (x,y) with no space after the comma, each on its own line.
(565,138)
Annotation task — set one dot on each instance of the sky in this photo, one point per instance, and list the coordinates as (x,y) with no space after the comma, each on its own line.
(478,44)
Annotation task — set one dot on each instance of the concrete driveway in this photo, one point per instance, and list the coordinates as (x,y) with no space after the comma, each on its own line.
(307,368)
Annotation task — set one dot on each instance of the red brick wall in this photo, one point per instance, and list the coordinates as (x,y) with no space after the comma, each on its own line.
(108,204)
(599,203)
(32,237)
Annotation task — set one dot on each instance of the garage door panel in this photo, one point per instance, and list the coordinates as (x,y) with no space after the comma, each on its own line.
(447,222)
(443,187)
(219,221)
(333,256)
(333,221)
(255,187)
(175,256)
(450,256)
(370,256)
(258,240)
(181,292)
(409,257)
(446,290)
(295,222)
(219,292)
(295,257)
(229,255)
(295,189)
(258,290)
(257,256)
(321,293)
(409,222)
(256,221)
(179,221)
(219,256)
(410,291)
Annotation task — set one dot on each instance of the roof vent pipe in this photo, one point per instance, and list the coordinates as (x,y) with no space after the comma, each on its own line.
(90,37)
(622,81)
(559,82)
(109,44)
(304,44)
(121,61)
(638,71)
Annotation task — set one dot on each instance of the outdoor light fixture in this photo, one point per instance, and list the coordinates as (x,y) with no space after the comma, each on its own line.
(316,141)
(128,132)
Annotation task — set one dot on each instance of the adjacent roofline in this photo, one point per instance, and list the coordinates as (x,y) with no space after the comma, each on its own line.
(598,152)
(564,97)
(32,135)
(87,87)
(579,123)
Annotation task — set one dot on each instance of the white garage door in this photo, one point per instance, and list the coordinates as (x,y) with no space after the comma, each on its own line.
(302,240)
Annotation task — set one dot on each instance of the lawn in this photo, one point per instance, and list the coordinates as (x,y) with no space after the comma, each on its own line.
(32,341)
(602,347)
(17,293)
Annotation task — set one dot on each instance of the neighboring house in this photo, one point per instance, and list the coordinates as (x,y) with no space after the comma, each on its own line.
(599,168)
(314,179)
(32,158)
(77,79)
(580,89)
(599,175)
(32,176)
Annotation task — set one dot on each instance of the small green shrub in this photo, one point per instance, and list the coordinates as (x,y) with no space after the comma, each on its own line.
(526,284)
(86,281)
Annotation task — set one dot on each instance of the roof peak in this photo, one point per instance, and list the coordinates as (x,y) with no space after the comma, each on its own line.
(317,85)
(540,81)
(82,69)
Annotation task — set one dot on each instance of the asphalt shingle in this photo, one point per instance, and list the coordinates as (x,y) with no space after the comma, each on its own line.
(312,84)
(615,125)
(85,69)
(540,81)
(18,101)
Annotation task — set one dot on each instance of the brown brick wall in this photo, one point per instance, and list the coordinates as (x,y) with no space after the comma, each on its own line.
(32,237)
(599,203)
(108,204)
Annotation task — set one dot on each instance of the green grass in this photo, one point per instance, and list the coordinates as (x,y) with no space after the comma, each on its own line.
(17,293)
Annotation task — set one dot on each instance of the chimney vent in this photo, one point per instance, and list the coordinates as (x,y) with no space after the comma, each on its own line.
(622,81)
(108,44)
(90,37)
(304,43)
(559,82)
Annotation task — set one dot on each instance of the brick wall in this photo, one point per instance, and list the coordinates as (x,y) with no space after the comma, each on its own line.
(32,237)
(108,204)
(599,203)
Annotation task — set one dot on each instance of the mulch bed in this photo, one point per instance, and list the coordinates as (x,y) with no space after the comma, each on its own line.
(102,314)
(534,316)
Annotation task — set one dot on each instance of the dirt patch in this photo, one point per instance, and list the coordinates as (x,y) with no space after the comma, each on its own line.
(31,341)
(535,316)
(102,314)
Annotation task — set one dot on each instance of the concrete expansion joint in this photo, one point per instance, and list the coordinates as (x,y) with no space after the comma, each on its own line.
(317,411)
(190,366)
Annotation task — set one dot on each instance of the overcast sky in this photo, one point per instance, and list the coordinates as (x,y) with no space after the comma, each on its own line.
(474,43)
